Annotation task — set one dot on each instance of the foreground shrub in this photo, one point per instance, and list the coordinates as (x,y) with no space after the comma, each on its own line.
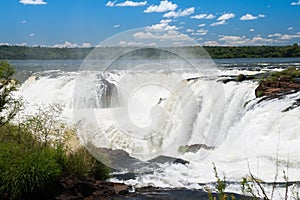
(26,172)
(81,163)
(101,171)
(35,152)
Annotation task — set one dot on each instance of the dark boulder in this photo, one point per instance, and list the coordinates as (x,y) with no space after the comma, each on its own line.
(88,188)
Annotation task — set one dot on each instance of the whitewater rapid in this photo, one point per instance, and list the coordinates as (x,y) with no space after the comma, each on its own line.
(248,135)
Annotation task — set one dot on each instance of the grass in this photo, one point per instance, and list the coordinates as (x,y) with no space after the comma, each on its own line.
(252,188)
(25,172)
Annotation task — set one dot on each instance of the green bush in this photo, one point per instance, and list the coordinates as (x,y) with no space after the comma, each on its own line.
(81,163)
(101,171)
(291,71)
(34,154)
(26,172)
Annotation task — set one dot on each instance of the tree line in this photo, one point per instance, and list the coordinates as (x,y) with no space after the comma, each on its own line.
(217,52)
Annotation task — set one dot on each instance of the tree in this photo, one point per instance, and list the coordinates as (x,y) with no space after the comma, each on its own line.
(9,106)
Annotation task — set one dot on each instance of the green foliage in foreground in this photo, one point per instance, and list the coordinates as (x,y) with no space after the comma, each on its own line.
(33,151)
(8,104)
(252,188)
(28,167)
(24,172)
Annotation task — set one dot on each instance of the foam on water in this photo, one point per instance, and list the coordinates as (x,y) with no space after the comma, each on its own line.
(253,136)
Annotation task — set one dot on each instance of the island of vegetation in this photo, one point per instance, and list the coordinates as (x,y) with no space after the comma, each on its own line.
(217,52)
(279,83)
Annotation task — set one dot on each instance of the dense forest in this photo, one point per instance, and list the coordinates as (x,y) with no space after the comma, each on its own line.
(46,53)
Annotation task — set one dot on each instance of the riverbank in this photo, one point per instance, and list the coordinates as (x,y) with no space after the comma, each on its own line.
(89,189)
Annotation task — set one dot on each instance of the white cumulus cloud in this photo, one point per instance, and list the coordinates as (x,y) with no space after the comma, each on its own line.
(164,6)
(218,23)
(251,17)
(32,34)
(169,35)
(4,44)
(211,43)
(226,16)
(275,35)
(180,13)
(117,25)
(126,3)
(222,19)
(203,16)
(67,44)
(230,40)
(201,32)
(33,2)
(295,3)
(284,36)
(248,17)
(210,16)
(110,3)
(86,45)
(162,26)
(137,44)
(132,3)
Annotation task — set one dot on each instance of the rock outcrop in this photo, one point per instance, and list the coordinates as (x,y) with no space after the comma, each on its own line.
(89,189)
(279,83)
(195,147)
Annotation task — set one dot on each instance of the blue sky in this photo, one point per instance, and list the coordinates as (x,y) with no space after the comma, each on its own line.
(77,23)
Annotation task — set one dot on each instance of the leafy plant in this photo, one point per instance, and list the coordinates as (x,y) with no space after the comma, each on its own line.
(26,172)
(9,106)
(45,124)
(220,187)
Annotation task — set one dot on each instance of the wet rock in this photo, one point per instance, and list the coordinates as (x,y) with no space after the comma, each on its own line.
(280,86)
(195,147)
(181,161)
(168,159)
(239,78)
(74,188)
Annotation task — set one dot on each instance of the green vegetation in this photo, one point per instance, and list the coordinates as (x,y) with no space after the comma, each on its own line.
(7,85)
(252,188)
(291,72)
(260,94)
(46,53)
(220,188)
(279,83)
(288,74)
(254,51)
(36,152)
(241,77)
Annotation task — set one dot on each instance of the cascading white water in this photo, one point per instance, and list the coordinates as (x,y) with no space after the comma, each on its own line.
(256,136)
